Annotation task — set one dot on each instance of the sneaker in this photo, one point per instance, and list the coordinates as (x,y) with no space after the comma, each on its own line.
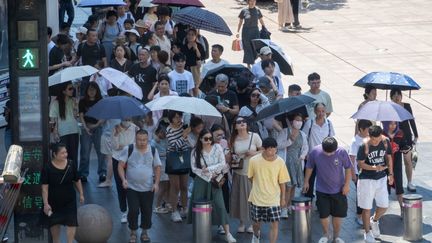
(241,229)
(183,213)
(229,238)
(221,230)
(249,230)
(411,187)
(106,183)
(102,178)
(375,228)
(160,209)
(323,239)
(338,240)
(284,213)
(369,237)
(255,239)
(123,218)
(175,217)
(359,221)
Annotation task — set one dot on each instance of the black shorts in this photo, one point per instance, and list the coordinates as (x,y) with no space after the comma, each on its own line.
(265,214)
(331,204)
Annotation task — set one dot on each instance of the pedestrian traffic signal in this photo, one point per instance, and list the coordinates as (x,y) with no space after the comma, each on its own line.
(28,58)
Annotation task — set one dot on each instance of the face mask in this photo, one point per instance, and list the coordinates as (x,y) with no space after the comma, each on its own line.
(297,124)
(125,123)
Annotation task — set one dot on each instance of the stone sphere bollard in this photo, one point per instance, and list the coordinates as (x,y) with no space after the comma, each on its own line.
(94,224)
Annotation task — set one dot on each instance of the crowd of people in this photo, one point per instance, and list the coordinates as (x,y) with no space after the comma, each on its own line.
(250,170)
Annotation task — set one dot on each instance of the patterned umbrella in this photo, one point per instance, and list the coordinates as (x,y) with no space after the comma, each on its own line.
(388,80)
(202,19)
(233,71)
(180,3)
(278,55)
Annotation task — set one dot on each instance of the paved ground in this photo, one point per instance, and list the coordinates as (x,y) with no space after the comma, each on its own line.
(342,40)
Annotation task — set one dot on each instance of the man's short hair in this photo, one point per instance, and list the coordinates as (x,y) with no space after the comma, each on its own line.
(111,13)
(64,26)
(129,21)
(375,131)
(155,48)
(158,23)
(319,104)
(267,63)
(294,87)
(62,39)
(162,11)
(363,124)
(141,132)
(219,47)
(179,57)
(221,78)
(269,143)
(329,144)
(314,76)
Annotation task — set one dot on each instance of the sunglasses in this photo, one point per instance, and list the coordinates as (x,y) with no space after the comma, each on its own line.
(255,95)
(70,88)
(208,139)
(240,121)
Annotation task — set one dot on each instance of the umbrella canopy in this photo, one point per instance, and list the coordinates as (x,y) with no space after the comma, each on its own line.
(283,106)
(122,81)
(284,61)
(382,111)
(71,73)
(233,71)
(202,19)
(180,3)
(146,4)
(117,107)
(184,104)
(100,3)
(388,80)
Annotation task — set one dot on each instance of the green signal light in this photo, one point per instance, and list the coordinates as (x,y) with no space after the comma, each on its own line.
(28,58)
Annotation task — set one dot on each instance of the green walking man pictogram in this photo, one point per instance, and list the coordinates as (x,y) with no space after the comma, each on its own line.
(28,59)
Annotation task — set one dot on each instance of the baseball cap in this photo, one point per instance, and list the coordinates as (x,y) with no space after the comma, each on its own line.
(133,31)
(82,30)
(265,50)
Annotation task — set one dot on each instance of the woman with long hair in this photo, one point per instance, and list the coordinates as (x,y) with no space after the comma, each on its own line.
(409,129)
(58,179)
(194,53)
(208,162)
(120,62)
(244,145)
(91,133)
(257,102)
(63,112)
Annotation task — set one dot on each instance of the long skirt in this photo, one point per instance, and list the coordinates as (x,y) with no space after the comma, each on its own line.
(203,190)
(285,13)
(239,205)
(248,34)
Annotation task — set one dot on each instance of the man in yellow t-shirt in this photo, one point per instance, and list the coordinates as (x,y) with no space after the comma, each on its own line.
(268,174)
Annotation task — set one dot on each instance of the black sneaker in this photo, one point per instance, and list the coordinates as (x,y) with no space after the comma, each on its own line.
(102,178)
(83,179)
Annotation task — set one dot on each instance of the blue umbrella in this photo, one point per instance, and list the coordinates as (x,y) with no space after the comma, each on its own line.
(117,107)
(100,3)
(202,19)
(283,106)
(388,80)
(382,111)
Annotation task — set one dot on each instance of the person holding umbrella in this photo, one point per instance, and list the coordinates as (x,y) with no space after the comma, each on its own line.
(248,19)
(257,102)
(227,99)
(265,53)
(409,129)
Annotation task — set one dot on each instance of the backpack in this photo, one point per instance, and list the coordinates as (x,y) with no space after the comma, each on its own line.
(131,147)
(81,46)
(104,26)
(310,129)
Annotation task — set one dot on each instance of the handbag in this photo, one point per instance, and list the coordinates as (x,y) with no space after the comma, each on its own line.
(237,45)
(236,161)
(218,180)
(178,162)
(264,33)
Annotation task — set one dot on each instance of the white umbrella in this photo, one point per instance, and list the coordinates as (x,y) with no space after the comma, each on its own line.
(184,104)
(122,81)
(382,111)
(71,73)
(146,4)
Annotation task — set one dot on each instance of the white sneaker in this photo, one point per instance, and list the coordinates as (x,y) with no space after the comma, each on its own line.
(323,239)
(160,210)
(221,230)
(229,238)
(369,237)
(175,217)
(359,221)
(411,187)
(123,218)
(339,240)
(375,228)
(255,239)
(250,229)
(284,213)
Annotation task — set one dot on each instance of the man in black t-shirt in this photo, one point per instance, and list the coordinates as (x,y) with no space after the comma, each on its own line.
(143,73)
(227,99)
(374,158)
(56,59)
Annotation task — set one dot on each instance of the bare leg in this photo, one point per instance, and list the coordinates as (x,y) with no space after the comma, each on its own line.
(161,195)
(366,218)
(70,233)
(174,181)
(256,228)
(408,166)
(274,231)
(378,213)
(336,226)
(107,182)
(226,228)
(184,179)
(55,233)
(290,195)
(400,200)
(325,226)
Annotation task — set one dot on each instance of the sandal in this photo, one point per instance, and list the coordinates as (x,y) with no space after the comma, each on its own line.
(133,238)
(144,237)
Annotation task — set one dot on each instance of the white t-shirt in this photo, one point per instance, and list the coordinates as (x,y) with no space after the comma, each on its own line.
(211,65)
(353,149)
(165,45)
(66,126)
(181,82)
(317,133)
(321,97)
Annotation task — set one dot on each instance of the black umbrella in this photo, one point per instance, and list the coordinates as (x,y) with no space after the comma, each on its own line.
(283,106)
(233,71)
(278,55)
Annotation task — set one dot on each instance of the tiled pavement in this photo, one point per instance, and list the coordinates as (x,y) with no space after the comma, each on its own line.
(341,40)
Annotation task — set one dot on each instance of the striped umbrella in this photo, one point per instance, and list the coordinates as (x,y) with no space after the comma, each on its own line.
(202,19)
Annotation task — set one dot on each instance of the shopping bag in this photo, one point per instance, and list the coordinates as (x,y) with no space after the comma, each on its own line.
(237,45)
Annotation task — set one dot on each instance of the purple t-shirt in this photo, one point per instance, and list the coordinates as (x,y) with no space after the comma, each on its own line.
(330,170)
